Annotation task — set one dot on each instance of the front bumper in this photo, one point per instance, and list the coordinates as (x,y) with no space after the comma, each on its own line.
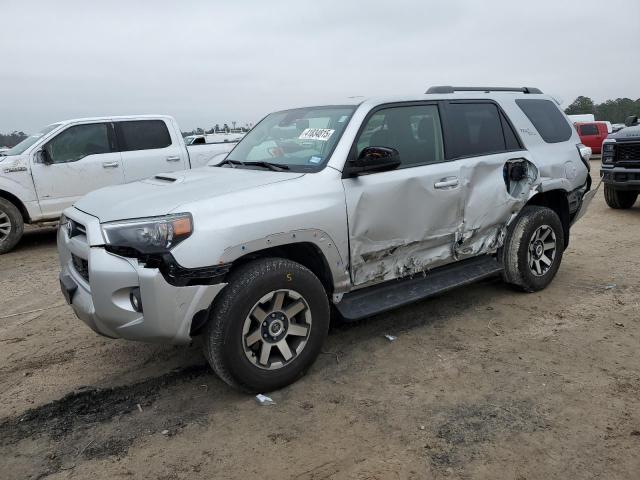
(622,178)
(103,284)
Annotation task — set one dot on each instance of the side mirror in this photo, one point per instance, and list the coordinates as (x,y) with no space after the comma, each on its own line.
(374,159)
(42,156)
(631,120)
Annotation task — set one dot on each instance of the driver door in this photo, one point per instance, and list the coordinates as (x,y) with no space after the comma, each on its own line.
(82,158)
(405,220)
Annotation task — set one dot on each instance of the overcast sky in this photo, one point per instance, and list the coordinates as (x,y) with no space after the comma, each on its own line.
(208,62)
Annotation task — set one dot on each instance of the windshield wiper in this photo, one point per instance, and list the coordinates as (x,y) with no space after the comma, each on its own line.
(231,162)
(276,167)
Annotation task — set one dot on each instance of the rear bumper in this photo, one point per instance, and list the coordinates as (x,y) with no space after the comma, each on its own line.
(621,178)
(100,295)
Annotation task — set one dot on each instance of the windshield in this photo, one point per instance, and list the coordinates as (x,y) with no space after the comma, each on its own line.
(30,140)
(300,139)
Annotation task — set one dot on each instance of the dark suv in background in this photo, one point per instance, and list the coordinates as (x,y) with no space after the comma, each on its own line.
(621,165)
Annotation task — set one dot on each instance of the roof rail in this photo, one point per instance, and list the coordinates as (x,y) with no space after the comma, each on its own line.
(449,89)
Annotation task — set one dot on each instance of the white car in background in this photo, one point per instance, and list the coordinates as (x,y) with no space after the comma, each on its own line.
(50,170)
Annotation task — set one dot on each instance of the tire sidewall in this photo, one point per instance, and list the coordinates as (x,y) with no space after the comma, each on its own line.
(17,225)
(232,354)
(535,219)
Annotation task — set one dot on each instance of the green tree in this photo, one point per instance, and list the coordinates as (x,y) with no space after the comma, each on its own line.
(580,105)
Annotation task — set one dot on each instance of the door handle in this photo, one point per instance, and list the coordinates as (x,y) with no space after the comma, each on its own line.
(174,158)
(110,164)
(446,183)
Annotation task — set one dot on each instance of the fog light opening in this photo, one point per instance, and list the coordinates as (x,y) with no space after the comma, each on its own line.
(136,300)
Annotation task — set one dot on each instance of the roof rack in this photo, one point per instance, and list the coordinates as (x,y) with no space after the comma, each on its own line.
(449,89)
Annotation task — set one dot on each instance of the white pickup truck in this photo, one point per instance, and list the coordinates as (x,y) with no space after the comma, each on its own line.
(50,170)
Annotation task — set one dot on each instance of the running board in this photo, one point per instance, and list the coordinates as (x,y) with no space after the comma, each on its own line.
(396,293)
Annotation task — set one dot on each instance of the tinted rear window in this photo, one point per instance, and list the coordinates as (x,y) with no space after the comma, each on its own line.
(590,129)
(143,135)
(474,129)
(547,119)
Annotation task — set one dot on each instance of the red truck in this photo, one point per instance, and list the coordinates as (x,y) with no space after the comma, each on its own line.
(592,134)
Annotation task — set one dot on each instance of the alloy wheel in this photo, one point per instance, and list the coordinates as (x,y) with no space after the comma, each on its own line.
(542,250)
(5,226)
(277,329)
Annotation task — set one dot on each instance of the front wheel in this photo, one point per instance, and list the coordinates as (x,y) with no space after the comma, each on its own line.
(11,225)
(268,325)
(533,248)
(619,199)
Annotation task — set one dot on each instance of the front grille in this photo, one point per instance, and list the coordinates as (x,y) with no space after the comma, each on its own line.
(628,152)
(81,266)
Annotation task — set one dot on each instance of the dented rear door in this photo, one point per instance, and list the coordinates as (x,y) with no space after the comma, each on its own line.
(496,173)
(403,221)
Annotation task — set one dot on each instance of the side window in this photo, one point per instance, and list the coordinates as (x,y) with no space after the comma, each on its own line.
(414,131)
(143,135)
(78,142)
(550,123)
(510,138)
(589,129)
(474,129)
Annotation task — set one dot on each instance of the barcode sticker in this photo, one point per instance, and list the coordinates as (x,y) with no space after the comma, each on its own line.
(323,134)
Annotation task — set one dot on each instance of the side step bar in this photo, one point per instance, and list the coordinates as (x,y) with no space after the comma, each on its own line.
(395,293)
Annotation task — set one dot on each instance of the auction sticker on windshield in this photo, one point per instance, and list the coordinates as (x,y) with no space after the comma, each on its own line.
(323,134)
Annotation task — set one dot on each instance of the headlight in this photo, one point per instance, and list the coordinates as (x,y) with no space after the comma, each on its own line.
(608,152)
(149,235)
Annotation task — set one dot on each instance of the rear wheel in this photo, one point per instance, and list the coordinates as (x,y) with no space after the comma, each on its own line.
(268,325)
(533,248)
(11,225)
(619,199)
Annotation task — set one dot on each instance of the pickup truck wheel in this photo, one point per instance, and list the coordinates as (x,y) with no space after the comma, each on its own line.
(619,199)
(533,248)
(11,225)
(268,325)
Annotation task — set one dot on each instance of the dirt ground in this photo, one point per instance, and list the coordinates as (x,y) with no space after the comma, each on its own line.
(482,383)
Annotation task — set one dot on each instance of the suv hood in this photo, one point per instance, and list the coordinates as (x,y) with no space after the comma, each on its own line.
(165,192)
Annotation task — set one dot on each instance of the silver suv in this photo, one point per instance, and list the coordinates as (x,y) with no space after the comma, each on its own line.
(352,208)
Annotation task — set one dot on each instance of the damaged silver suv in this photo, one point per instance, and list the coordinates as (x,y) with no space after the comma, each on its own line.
(351,208)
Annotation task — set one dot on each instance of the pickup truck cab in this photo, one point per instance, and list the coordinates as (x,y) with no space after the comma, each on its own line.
(592,134)
(356,208)
(50,170)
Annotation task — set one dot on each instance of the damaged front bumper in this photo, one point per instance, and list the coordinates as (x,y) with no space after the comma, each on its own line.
(101,288)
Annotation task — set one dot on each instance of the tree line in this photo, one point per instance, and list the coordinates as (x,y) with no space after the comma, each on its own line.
(218,129)
(11,139)
(615,111)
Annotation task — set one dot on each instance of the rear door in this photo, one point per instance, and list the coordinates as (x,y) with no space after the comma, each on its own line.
(481,139)
(84,158)
(148,147)
(403,221)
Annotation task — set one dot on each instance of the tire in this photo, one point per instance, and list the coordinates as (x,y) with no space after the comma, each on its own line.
(234,338)
(619,199)
(11,226)
(527,243)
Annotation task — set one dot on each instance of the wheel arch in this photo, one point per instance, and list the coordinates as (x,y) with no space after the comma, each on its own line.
(305,253)
(18,203)
(557,201)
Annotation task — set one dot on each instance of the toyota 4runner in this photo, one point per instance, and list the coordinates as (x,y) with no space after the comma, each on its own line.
(351,208)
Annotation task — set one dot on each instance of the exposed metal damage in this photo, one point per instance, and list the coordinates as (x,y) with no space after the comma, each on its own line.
(467,227)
